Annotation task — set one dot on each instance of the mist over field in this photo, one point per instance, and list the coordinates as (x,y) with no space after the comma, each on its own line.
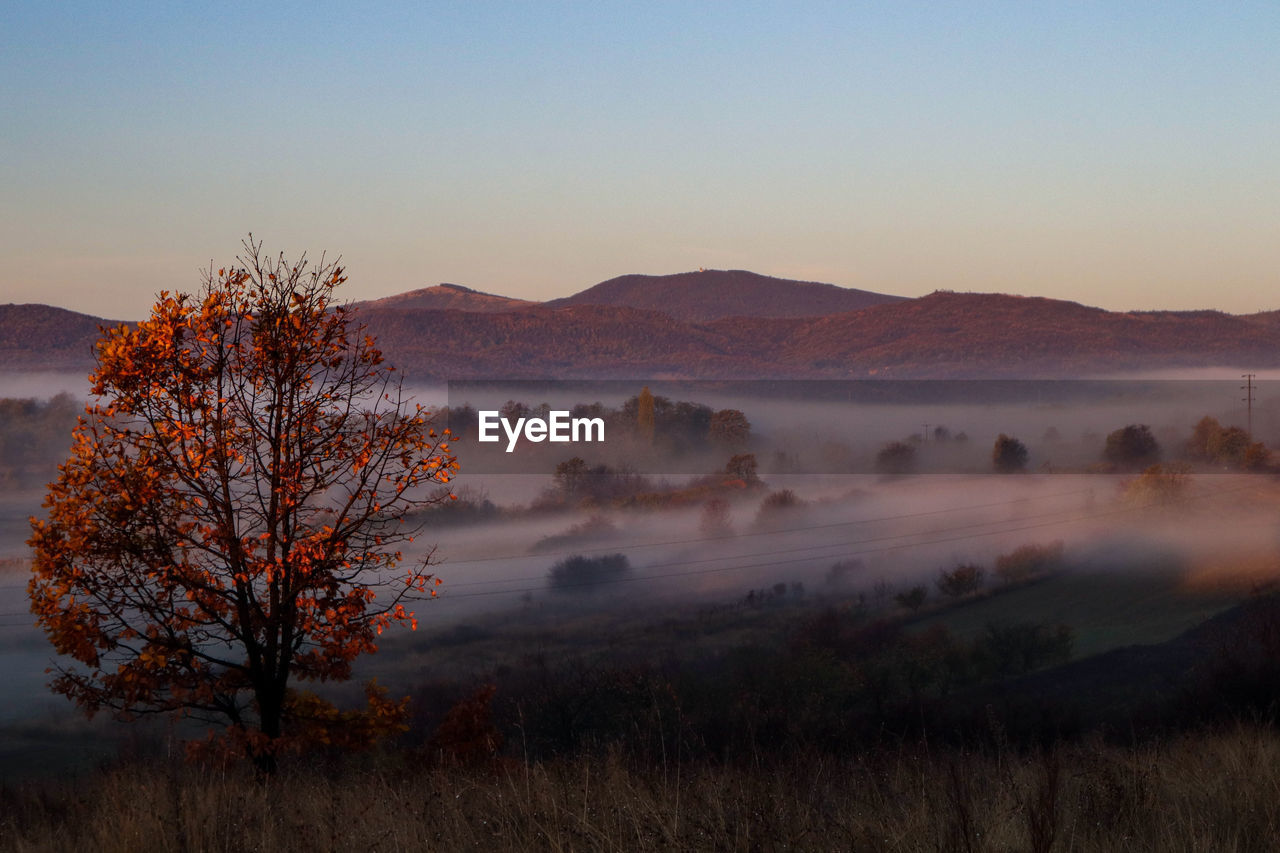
(859,536)
(786,585)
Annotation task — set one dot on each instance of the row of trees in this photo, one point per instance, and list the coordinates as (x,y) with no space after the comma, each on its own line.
(34,437)
(669,426)
(1130,448)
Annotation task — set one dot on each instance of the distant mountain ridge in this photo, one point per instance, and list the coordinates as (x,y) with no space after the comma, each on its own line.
(450,297)
(943,335)
(42,336)
(713,294)
(454,332)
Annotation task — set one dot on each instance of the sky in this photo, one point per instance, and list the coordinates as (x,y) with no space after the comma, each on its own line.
(1125,155)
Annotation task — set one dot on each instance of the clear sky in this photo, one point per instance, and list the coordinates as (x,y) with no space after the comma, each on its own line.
(1119,154)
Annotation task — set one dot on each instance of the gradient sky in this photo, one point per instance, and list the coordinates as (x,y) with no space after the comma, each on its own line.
(1125,155)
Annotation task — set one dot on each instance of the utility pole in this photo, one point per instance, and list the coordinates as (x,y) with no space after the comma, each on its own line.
(926,433)
(1247,388)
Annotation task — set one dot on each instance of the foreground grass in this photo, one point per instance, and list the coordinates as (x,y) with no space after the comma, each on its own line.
(1212,791)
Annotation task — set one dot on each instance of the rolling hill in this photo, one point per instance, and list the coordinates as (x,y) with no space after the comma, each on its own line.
(41,336)
(450,297)
(942,335)
(712,294)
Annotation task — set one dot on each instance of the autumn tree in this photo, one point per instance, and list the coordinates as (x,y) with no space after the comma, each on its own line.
(229,521)
(644,415)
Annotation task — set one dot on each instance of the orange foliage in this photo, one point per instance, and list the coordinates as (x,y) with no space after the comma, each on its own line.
(229,519)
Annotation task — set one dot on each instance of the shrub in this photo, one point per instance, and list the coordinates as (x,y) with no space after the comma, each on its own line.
(1027,561)
(912,599)
(585,574)
(896,457)
(715,518)
(1004,650)
(777,506)
(1156,485)
(960,581)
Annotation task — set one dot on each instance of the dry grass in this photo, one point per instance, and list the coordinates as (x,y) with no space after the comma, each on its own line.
(1198,792)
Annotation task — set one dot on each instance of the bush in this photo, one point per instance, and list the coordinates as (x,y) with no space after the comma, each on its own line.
(1004,650)
(1028,561)
(896,457)
(912,599)
(714,521)
(1157,485)
(961,580)
(584,574)
(775,508)
(593,530)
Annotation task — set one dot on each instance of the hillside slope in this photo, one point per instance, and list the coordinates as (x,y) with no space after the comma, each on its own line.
(943,335)
(712,294)
(448,297)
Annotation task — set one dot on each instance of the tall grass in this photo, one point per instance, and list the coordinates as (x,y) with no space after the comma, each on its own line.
(1207,791)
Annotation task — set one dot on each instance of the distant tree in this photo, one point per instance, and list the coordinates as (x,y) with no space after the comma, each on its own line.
(1028,561)
(896,457)
(729,427)
(571,478)
(579,574)
(686,425)
(1005,650)
(514,410)
(715,518)
(1256,457)
(1008,455)
(1132,448)
(644,415)
(776,506)
(914,598)
(841,573)
(1229,446)
(1203,435)
(743,466)
(941,434)
(960,581)
(228,522)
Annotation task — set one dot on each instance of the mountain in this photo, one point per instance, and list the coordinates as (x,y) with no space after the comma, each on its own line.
(957,334)
(942,335)
(453,297)
(41,336)
(712,294)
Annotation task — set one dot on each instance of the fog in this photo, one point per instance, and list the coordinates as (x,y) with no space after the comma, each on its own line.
(850,535)
(42,385)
